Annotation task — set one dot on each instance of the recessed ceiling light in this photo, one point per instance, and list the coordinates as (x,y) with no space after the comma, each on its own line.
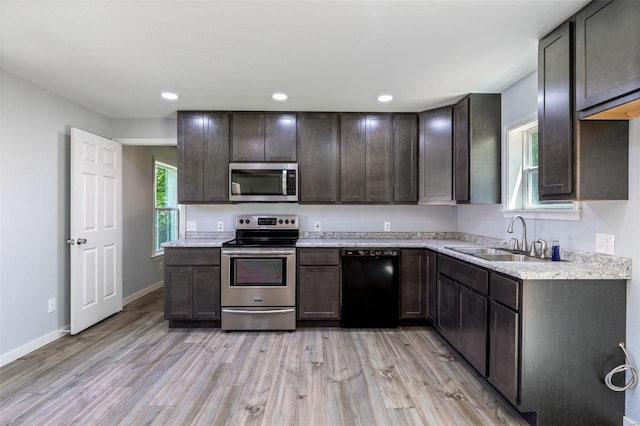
(169,96)
(280,96)
(385,98)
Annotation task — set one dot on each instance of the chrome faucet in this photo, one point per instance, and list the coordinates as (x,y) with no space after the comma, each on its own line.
(524,232)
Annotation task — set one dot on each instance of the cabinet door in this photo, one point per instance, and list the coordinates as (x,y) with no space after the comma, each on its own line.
(280,137)
(178,297)
(503,350)
(473,328)
(607,52)
(206,292)
(405,161)
(216,158)
(413,284)
(555,115)
(436,155)
(190,153)
(432,286)
(461,151)
(378,158)
(352,158)
(247,137)
(448,320)
(318,158)
(319,292)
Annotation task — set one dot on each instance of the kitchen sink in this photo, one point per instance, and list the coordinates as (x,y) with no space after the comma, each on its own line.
(496,254)
(509,257)
(480,250)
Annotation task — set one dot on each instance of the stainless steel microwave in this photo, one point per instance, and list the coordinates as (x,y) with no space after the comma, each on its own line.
(263,182)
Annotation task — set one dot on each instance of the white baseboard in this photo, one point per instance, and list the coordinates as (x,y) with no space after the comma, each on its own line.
(142,293)
(33,345)
(627,421)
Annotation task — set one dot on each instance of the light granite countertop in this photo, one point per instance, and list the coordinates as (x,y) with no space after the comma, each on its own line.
(575,266)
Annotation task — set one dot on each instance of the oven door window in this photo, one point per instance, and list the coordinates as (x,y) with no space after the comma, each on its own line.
(256,182)
(258,272)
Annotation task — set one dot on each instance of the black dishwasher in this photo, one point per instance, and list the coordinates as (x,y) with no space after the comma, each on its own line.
(370,288)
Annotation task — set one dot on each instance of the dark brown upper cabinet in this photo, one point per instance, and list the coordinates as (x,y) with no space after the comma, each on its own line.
(203,157)
(405,158)
(263,137)
(476,149)
(318,159)
(436,156)
(366,158)
(577,160)
(608,59)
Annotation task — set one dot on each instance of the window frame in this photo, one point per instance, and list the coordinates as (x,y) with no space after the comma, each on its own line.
(155,252)
(509,181)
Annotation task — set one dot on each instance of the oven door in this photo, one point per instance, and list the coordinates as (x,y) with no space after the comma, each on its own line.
(258,277)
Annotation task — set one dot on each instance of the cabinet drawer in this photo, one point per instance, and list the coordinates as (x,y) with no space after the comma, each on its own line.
(318,256)
(505,291)
(192,256)
(469,275)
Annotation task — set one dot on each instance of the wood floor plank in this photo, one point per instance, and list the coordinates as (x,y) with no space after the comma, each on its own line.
(131,369)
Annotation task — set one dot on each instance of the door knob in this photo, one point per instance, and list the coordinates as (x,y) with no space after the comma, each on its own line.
(71,241)
(82,240)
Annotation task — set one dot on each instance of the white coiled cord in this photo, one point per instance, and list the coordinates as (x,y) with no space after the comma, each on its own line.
(622,368)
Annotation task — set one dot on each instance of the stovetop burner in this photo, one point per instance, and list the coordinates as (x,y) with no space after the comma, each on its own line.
(265,231)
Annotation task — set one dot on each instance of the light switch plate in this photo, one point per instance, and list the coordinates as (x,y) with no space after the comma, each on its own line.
(317,226)
(220,226)
(387,227)
(192,225)
(605,243)
(52,305)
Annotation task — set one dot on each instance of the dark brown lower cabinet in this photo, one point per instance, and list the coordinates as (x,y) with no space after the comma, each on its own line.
(545,345)
(192,284)
(448,318)
(503,350)
(318,284)
(473,328)
(413,284)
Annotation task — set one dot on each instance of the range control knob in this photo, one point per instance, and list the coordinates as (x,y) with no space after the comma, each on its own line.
(247,221)
(286,221)
(293,221)
(241,221)
(280,221)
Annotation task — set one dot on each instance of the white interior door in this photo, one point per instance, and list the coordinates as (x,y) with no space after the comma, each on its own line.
(96,229)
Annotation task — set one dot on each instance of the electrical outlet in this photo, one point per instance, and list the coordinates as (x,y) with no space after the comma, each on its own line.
(387,226)
(160,265)
(317,226)
(605,243)
(220,226)
(52,305)
(192,225)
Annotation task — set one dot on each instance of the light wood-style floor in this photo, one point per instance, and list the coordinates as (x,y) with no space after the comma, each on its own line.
(132,369)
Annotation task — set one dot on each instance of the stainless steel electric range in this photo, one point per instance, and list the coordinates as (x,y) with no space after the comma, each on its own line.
(259,274)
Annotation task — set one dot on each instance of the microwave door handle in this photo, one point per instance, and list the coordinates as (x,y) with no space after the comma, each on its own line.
(284,182)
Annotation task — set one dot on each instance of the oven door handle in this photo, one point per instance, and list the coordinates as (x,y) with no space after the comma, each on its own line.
(273,311)
(249,253)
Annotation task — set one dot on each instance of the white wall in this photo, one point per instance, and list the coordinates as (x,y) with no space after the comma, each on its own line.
(621,218)
(139,271)
(34,218)
(349,218)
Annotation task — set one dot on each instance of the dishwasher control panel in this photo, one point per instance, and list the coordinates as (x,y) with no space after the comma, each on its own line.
(371,252)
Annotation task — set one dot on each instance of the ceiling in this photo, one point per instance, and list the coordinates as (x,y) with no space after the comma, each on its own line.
(116,57)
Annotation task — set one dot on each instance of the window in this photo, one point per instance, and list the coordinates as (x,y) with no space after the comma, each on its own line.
(165,206)
(522,177)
